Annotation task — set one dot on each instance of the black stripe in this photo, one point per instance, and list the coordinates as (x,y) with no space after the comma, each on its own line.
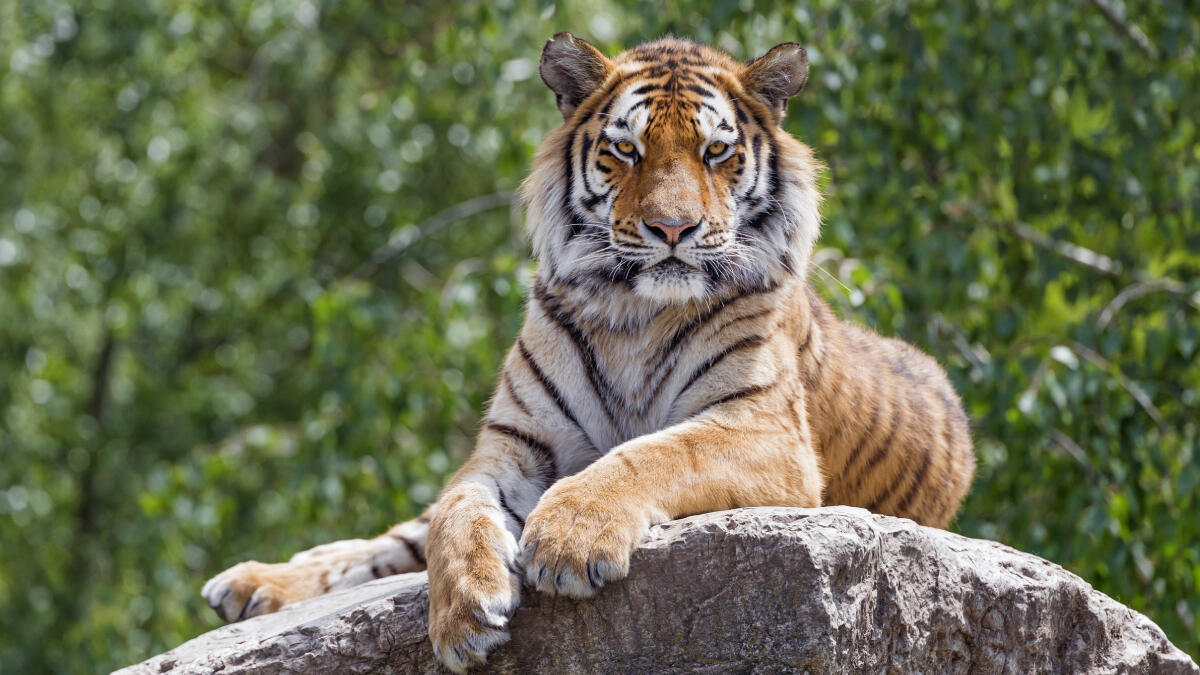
(772,177)
(504,505)
(600,384)
(660,369)
(644,103)
(602,281)
(955,416)
(918,481)
(584,149)
(587,108)
(696,324)
(739,394)
(547,385)
(612,100)
(569,193)
(817,320)
(654,72)
(547,463)
(757,119)
(755,151)
(705,79)
(512,392)
(591,201)
(745,317)
(857,454)
(745,343)
(881,449)
(807,339)
(688,329)
(786,261)
(954,411)
(413,549)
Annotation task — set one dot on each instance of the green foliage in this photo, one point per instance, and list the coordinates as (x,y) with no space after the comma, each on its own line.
(233,324)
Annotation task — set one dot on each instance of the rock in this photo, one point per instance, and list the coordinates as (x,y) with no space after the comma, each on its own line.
(831,590)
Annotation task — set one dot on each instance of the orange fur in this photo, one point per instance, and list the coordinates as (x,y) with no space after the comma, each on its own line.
(673,359)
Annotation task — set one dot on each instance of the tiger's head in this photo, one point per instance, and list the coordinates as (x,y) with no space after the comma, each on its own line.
(671,179)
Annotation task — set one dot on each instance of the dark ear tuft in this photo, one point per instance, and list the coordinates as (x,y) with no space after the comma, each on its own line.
(777,75)
(573,69)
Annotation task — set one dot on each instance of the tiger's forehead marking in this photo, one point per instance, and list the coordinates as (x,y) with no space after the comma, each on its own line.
(671,91)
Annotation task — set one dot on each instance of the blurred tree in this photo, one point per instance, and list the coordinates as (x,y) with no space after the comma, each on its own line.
(260,261)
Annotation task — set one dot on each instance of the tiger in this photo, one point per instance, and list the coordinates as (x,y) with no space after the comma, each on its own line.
(674,358)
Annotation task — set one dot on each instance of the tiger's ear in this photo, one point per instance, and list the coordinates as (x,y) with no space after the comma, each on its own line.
(572,68)
(778,75)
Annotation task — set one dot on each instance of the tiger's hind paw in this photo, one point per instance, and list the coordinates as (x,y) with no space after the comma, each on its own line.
(253,588)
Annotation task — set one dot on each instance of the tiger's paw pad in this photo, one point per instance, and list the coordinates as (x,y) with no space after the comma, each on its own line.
(572,546)
(243,591)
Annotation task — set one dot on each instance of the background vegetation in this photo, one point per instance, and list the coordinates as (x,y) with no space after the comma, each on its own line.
(259,262)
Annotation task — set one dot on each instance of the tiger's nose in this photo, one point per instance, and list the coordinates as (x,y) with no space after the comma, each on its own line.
(673,231)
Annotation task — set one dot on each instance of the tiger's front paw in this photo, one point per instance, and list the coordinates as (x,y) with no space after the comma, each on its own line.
(250,589)
(474,589)
(574,540)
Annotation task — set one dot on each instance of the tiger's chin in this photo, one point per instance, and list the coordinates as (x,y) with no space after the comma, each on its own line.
(672,282)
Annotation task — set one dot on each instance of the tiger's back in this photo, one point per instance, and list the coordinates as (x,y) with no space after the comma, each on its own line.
(889,428)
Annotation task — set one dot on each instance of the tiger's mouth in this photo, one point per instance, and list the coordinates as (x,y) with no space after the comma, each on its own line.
(672,280)
(673,264)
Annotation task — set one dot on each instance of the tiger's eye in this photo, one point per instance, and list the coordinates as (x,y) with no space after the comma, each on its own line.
(717,148)
(626,148)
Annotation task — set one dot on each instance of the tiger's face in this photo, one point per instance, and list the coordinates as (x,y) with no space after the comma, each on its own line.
(671,178)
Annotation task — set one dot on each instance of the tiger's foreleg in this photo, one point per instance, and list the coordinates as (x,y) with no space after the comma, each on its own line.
(252,588)
(742,453)
(474,576)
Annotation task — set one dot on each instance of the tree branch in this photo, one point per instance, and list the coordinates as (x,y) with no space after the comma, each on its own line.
(1093,260)
(1128,294)
(409,236)
(1129,385)
(1073,449)
(1097,262)
(85,509)
(1130,30)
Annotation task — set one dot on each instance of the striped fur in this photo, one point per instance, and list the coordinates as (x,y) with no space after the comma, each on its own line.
(658,373)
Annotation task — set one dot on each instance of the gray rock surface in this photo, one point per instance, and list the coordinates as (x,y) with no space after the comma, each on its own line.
(831,590)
